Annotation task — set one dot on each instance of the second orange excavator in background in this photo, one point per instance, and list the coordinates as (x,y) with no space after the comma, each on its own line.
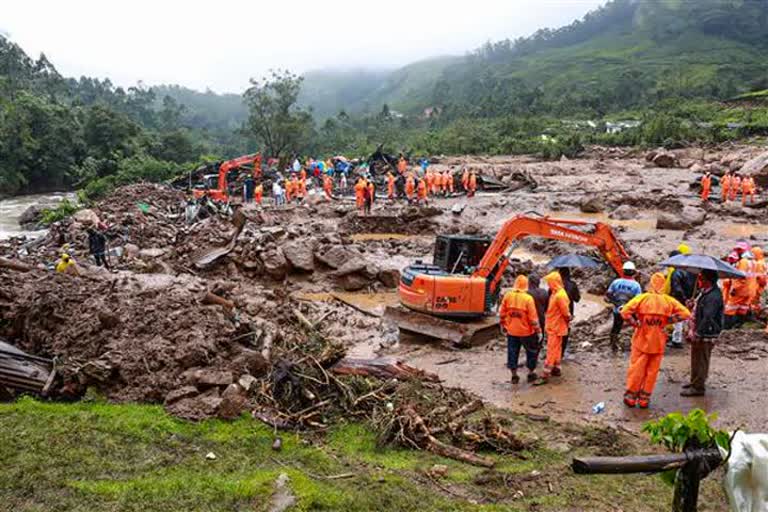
(216,186)
(455,298)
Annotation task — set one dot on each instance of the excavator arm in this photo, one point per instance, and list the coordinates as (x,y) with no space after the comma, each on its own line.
(227,166)
(496,258)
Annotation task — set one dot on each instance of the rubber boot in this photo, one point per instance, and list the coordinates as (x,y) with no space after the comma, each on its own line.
(614,342)
(643,400)
(630,400)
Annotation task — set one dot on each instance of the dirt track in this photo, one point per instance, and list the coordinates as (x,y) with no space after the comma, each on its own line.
(143,332)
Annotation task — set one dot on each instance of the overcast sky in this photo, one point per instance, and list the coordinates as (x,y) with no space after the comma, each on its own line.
(219,44)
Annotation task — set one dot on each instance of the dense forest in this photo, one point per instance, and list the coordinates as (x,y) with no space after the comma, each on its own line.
(679,67)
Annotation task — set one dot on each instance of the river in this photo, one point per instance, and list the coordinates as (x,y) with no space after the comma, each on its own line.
(12,208)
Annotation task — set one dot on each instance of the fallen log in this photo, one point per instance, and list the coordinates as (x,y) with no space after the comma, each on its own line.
(15,265)
(438,447)
(383,368)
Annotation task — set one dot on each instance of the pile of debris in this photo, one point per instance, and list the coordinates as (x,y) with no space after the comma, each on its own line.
(220,349)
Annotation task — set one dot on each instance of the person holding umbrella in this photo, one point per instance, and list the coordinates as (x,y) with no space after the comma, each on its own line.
(705,328)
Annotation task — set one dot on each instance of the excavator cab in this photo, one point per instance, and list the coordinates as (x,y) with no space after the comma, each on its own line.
(460,254)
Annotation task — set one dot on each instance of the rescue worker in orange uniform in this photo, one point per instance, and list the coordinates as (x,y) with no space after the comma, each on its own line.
(421,191)
(706,187)
(735,187)
(746,190)
(760,277)
(410,187)
(725,187)
(472,184)
(303,174)
(739,293)
(465,179)
(328,186)
(296,185)
(360,188)
(449,184)
(258,193)
(288,190)
(649,313)
(752,190)
(520,323)
(429,176)
(390,186)
(302,186)
(557,319)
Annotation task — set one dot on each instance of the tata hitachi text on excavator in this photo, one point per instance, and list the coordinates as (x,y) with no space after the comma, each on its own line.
(456,297)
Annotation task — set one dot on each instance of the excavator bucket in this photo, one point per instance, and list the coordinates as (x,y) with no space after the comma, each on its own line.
(461,334)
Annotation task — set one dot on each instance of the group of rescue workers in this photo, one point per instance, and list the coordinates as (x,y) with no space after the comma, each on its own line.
(731,186)
(697,307)
(402,182)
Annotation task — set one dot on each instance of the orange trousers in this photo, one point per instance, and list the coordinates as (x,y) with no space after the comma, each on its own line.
(554,351)
(643,371)
(705,194)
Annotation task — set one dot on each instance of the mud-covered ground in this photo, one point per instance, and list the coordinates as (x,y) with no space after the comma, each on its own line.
(152,329)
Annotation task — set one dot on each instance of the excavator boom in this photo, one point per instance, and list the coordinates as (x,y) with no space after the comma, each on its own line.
(438,291)
(221,192)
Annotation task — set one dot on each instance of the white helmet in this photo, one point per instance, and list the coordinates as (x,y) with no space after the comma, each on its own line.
(629,266)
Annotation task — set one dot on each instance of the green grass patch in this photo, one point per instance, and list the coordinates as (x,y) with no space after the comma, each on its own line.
(97,456)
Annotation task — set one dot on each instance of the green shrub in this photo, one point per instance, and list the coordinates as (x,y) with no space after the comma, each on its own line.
(63,210)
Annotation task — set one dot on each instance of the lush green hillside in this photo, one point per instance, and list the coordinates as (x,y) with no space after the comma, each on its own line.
(406,89)
(621,56)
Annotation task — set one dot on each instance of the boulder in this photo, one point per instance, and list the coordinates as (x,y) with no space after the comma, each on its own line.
(275,263)
(389,277)
(234,400)
(593,204)
(151,253)
(353,282)
(758,169)
(688,218)
(180,393)
(197,407)
(300,254)
(624,212)
(358,265)
(31,216)
(335,257)
(206,377)
(86,216)
(665,159)
(458,208)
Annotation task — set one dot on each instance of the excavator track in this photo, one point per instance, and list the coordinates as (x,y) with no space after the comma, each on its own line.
(462,334)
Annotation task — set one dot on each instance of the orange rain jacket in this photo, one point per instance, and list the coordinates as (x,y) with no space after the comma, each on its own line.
(409,186)
(518,311)
(558,310)
(390,185)
(652,312)
(422,189)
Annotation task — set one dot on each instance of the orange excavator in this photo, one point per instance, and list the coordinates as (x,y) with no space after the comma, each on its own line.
(456,297)
(221,180)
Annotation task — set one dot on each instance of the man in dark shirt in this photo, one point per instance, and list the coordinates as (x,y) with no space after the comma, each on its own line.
(540,297)
(707,325)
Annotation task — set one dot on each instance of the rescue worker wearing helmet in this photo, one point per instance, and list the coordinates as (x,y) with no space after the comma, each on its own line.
(649,313)
(621,291)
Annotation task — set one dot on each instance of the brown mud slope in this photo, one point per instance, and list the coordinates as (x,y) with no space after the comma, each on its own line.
(157,328)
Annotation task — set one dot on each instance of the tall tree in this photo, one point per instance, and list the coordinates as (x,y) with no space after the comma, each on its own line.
(275,119)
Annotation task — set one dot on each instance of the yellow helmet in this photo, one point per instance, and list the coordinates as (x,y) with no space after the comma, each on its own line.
(683,249)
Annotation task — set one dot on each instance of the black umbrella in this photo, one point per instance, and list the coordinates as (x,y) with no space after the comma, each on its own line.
(573,261)
(697,262)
